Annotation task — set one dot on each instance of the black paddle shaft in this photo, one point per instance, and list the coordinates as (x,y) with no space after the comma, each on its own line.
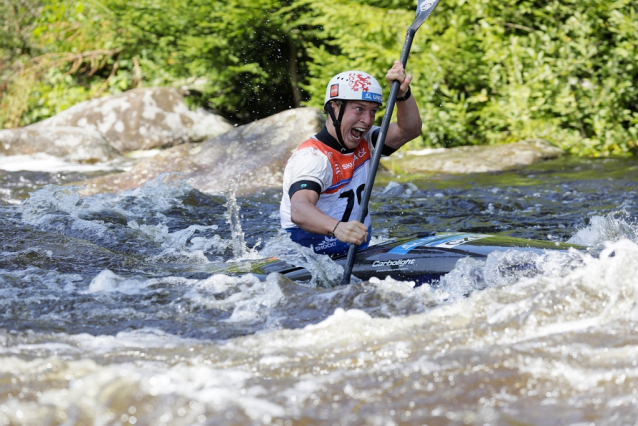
(424,8)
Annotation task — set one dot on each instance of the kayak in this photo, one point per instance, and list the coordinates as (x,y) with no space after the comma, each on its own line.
(423,258)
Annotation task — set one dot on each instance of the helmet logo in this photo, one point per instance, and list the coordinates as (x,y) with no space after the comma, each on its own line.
(334,90)
(359,81)
(371,96)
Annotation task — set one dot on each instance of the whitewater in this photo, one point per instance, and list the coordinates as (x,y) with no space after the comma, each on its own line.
(137,308)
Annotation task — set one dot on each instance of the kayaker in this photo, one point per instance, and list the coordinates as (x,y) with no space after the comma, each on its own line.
(325,177)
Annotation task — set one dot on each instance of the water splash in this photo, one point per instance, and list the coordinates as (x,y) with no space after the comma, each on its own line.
(240,251)
(181,246)
(232,217)
(107,281)
(503,269)
(157,195)
(249,299)
(325,272)
(52,199)
(604,229)
(144,217)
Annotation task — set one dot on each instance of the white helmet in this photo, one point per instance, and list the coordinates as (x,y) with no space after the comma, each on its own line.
(354,86)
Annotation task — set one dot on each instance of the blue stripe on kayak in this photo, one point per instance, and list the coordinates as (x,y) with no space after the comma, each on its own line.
(427,242)
(405,248)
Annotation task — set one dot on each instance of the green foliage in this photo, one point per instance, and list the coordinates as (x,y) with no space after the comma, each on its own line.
(484,72)
(18,20)
(238,57)
(492,72)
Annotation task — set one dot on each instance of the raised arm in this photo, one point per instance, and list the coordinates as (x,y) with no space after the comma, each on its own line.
(408,124)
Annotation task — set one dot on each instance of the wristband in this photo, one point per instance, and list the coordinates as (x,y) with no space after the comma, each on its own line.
(406,96)
(332,234)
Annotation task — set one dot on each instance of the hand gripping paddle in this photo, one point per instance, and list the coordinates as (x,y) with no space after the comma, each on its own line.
(423,9)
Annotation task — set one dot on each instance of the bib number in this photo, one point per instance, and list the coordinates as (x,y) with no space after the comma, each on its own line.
(349,195)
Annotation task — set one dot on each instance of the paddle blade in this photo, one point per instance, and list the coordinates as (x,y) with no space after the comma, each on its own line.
(423,10)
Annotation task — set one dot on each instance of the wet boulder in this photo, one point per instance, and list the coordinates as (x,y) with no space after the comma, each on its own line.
(68,143)
(141,119)
(253,155)
(472,159)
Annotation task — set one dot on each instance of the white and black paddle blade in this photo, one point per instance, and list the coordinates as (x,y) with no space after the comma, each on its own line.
(423,10)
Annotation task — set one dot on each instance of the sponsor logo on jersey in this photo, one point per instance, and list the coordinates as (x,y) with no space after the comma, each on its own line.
(398,262)
(337,168)
(334,90)
(343,165)
(326,244)
(359,155)
(374,97)
(351,164)
(358,81)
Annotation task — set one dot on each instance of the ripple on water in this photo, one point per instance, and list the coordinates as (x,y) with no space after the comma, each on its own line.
(114,310)
(544,350)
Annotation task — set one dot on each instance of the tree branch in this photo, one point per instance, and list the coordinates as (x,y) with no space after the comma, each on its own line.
(292,68)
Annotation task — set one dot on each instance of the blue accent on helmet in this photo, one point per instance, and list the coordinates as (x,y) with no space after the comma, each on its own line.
(374,97)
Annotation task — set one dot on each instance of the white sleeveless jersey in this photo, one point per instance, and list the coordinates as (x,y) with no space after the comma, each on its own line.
(342,178)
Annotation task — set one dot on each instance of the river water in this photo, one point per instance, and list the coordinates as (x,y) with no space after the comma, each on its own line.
(114,309)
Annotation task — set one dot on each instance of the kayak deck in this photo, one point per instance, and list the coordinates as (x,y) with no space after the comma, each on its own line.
(423,258)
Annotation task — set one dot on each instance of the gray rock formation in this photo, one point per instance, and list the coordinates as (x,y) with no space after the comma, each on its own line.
(253,155)
(472,159)
(68,143)
(141,119)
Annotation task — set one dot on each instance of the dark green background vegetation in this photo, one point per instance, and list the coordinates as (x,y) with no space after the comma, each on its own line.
(484,72)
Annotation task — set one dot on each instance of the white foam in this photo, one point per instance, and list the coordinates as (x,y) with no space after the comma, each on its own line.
(47,163)
(341,317)
(107,281)
(502,268)
(249,298)
(603,229)
(257,300)
(559,339)
(84,389)
(35,278)
(426,151)
(177,247)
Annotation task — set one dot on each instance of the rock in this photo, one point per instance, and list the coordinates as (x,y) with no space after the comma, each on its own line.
(253,155)
(68,143)
(395,189)
(473,159)
(141,119)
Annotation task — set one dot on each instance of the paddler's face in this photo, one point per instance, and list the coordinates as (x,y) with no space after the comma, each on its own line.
(357,120)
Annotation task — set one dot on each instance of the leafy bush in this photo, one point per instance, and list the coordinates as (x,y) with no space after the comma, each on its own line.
(491,72)
(237,57)
(484,72)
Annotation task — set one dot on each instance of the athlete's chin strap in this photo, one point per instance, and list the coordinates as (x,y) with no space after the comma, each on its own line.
(337,122)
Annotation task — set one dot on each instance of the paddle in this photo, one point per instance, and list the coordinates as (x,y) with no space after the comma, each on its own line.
(423,10)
